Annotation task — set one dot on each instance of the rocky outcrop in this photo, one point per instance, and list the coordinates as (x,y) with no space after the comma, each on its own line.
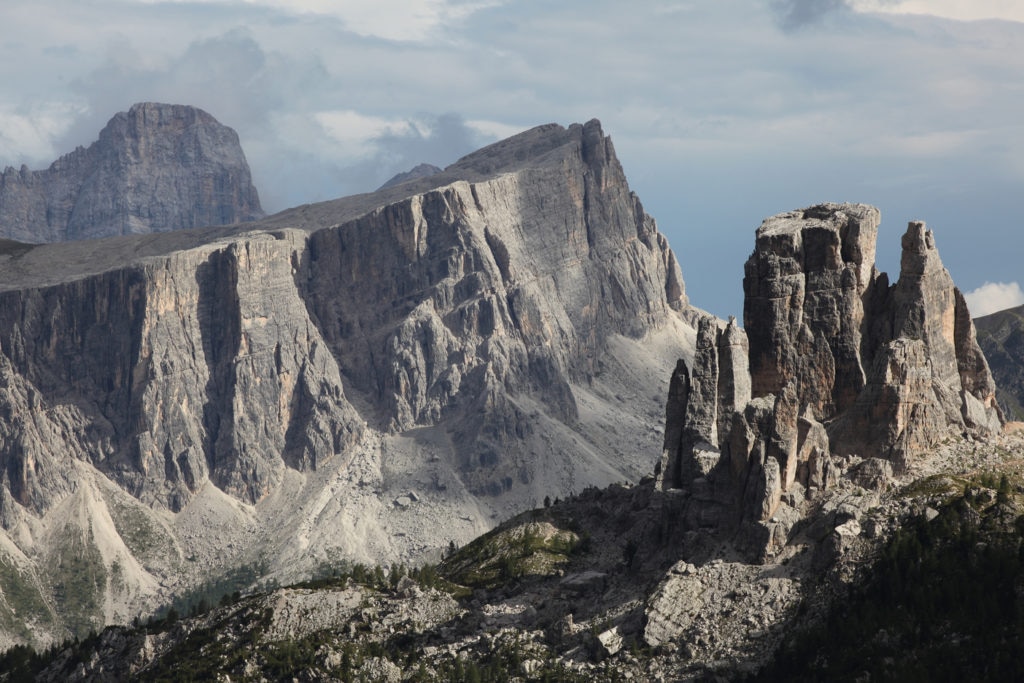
(701,403)
(716,606)
(156,167)
(840,364)
(474,336)
(225,361)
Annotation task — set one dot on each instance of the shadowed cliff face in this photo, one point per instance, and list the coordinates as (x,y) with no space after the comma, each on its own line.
(156,167)
(468,343)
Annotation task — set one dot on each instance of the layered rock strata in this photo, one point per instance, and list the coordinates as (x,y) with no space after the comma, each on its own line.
(840,364)
(156,167)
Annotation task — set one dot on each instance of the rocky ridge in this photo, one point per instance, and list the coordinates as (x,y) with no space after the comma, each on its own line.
(416,172)
(156,167)
(370,378)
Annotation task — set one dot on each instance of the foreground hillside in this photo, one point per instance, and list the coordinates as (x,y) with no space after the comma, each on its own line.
(369,379)
(911,582)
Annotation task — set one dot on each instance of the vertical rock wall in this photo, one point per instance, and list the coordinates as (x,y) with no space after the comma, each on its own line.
(805,287)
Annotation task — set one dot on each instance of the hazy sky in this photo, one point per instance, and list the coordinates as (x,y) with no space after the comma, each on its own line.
(723,112)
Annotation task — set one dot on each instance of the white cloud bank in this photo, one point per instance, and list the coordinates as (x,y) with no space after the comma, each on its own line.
(400,20)
(994,296)
(961,10)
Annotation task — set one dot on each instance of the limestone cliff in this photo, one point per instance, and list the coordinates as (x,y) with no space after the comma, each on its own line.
(840,364)
(156,167)
(368,378)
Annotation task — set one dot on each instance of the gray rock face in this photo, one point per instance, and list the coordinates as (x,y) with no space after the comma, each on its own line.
(669,472)
(472,336)
(805,287)
(840,363)
(701,404)
(419,171)
(156,167)
(1001,337)
(927,379)
(714,608)
(226,361)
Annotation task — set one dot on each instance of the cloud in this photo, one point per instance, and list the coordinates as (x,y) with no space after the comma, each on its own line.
(341,152)
(796,14)
(27,134)
(961,10)
(226,75)
(719,117)
(315,123)
(994,296)
(437,139)
(396,20)
(377,148)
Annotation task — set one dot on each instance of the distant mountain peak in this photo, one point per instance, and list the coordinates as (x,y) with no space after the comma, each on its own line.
(418,171)
(155,168)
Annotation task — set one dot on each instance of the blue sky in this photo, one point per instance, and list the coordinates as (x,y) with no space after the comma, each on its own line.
(723,112)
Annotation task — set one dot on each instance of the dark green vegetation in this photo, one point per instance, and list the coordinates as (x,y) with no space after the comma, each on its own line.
(79,577)
(21,596)
(942,603)
(1001,337)
(215,629)
(233,638)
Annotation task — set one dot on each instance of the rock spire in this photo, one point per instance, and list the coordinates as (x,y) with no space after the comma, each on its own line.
(840,364)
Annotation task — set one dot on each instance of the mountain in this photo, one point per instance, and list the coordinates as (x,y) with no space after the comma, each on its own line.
(370,379)
(419,171)
(764,548)
(156,167)
(1001,336)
